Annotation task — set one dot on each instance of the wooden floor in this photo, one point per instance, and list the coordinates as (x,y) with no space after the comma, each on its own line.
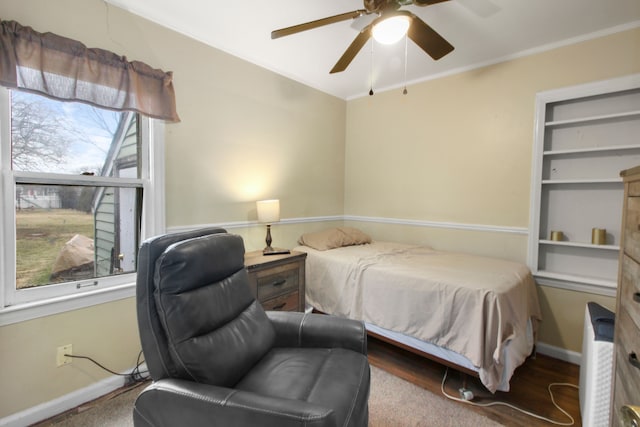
(528,385)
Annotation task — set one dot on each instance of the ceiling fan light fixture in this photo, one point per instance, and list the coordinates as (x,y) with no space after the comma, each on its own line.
(392,29)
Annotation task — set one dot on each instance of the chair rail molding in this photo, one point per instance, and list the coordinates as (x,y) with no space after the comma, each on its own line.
(381,220)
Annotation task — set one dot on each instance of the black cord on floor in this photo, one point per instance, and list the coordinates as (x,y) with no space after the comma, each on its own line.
(540,417)
(135,376)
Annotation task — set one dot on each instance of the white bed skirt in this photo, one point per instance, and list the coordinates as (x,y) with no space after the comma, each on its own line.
(457,359)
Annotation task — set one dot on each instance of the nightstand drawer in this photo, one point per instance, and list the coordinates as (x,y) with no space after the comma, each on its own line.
(627,374)
(634,189)
(629,291)
(287,302)
(277,281)
(632,228)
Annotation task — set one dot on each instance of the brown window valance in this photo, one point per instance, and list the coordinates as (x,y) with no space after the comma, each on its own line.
(66,69)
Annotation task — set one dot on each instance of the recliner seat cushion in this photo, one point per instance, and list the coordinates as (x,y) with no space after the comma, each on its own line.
(331,377)
(208,311)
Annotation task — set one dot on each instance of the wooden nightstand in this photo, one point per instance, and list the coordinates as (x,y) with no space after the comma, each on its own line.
(277,281)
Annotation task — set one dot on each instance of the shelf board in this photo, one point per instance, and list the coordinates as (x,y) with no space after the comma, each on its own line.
(598,118)
(596,281)
(582,181)
(591,150)
(579,245)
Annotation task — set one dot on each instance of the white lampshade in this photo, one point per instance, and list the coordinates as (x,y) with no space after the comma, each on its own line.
(392,29)
(268,211)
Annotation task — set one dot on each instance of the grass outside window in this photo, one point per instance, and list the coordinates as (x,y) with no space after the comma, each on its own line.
(40,236)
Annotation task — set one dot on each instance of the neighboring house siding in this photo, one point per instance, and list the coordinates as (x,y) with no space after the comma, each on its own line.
(108,204)
(105,232)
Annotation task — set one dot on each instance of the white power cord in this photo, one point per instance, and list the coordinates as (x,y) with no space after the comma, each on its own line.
(467,393)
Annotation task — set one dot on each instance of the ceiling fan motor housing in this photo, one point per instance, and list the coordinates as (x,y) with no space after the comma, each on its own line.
(419,32)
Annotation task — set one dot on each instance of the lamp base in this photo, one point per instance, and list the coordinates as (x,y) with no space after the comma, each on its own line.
(275,251)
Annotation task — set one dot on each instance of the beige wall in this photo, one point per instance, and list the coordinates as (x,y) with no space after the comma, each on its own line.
(458,149)
(246,134)
(29,376)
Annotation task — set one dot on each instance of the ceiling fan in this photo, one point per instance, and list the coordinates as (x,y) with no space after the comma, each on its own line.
(418,31)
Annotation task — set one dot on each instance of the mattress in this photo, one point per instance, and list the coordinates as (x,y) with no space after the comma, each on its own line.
(482,309)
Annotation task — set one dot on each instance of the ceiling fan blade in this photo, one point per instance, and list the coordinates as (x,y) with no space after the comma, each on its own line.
(428,39)
(352,50)
(427,2)
(317,23)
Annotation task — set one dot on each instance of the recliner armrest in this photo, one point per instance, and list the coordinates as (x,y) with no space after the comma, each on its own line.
(294,329)
(172,402)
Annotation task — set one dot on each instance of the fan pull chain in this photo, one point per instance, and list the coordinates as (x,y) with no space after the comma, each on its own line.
(404,91)
(371,77)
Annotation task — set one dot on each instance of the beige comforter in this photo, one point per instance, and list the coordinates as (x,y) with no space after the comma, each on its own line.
(468,304)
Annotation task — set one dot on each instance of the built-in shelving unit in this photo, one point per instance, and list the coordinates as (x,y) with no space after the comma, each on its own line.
(584,136)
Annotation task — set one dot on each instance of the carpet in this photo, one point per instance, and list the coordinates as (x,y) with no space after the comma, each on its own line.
(393,402)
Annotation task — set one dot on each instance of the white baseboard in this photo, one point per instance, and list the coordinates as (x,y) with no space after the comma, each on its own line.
(559,353)
(57,406)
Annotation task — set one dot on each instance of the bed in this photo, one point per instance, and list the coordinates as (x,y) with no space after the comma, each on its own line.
(478,314)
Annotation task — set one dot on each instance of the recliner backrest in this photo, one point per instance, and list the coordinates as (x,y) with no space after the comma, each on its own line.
(215,328)
(153,334)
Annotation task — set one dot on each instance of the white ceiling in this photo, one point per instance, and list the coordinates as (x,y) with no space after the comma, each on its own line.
(482,31)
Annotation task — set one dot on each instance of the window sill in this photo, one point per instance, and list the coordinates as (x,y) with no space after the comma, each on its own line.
(33,310)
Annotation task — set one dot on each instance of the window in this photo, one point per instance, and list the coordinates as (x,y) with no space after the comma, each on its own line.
(82,186)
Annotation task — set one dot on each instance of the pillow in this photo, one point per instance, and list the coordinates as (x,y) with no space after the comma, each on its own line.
(334,238)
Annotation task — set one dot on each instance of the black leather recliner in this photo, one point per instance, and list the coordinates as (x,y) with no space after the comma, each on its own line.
(218,359)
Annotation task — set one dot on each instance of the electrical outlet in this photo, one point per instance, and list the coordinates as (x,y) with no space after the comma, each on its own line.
(61,359)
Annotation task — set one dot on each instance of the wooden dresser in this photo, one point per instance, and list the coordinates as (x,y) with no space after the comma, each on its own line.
(626,363)
(277,281)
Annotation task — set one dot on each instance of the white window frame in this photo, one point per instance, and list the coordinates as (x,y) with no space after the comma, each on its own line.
(52,299)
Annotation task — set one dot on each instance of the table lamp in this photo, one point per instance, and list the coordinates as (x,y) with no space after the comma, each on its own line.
(268,213)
